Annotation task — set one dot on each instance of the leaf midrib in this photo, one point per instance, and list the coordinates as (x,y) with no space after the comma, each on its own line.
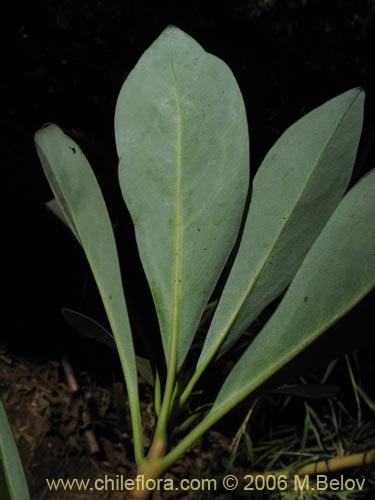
(177,239)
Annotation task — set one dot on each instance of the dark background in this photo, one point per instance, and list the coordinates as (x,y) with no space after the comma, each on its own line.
(65,61)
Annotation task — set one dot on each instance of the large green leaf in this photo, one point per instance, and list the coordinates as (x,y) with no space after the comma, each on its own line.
(10,461)
(182,141)
(299,184)
(82,206)
(336,274)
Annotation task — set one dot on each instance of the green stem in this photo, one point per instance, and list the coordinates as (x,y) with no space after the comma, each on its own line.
(130,373)
(161,431)
(131,384)
(135,414)
(169,459)
(185,424)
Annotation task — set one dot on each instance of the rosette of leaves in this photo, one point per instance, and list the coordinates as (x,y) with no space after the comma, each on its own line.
(182,142)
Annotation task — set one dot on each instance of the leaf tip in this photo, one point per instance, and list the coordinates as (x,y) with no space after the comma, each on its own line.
(44,129)
(170,29)
(173,32)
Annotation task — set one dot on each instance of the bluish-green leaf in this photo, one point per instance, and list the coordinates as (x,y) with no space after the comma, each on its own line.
(299,184)
(81,202)
(182,141)
(11,461)
(336,274)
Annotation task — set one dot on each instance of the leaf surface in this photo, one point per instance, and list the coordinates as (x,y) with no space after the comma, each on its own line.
(81,202)
(336,274)
(297,187)
(182,141)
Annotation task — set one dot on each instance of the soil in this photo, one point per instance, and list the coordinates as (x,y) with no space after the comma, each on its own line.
(66,433)
(49,423)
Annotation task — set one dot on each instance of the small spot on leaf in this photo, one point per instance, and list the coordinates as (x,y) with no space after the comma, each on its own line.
(73,149)
(305,299)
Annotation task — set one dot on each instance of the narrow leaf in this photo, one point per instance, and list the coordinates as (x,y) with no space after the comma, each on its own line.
(336,274)
(182,141)
(79,197)
(311,391)
(91,329)
(11,461)
(299,184)
(88,327)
